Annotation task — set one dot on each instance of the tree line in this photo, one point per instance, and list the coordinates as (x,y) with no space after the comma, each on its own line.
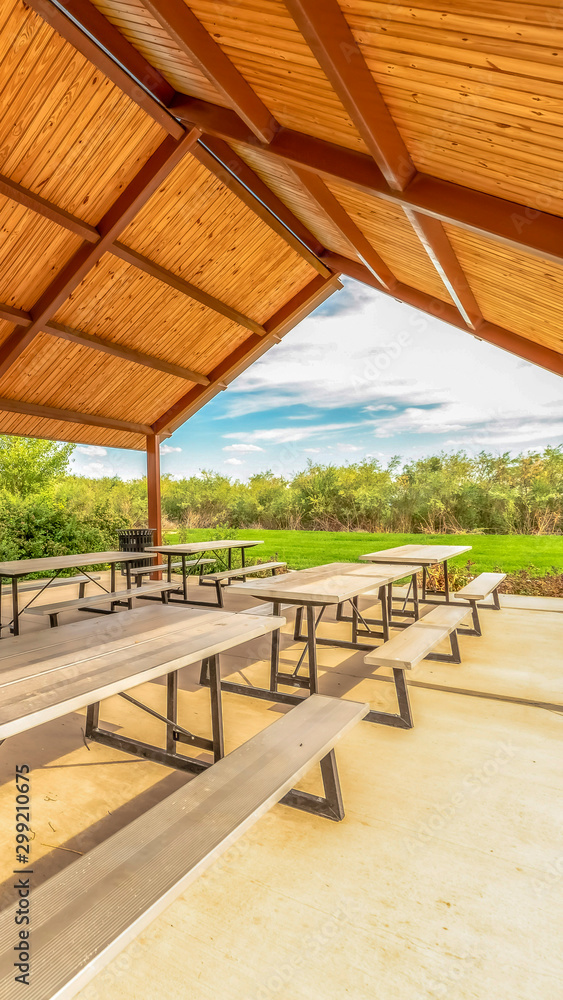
(45,510)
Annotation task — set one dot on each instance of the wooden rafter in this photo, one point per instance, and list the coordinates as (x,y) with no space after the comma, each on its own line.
(106,346)
(138,191)
(70,416)
(37,204)
(173,281)
(107,49)
(326,30)
(544,357)
(192,37)
(125,353)
(323,197)
(516,226)
(433,237)
(253,347)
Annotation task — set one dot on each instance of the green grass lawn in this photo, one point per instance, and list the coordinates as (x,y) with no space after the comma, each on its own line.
(538,553)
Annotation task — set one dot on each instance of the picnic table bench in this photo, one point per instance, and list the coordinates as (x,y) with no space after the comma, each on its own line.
(225,576)
(87,913)
(217,547)
(408,648)
(114,598)
(478,590)
(140,571)
(16,569)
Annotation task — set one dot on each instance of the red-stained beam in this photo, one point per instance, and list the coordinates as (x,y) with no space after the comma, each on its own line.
(323,197)
(521,347)
(326,30)
(253,347)
(191,37)
(153,488)
(173,281)
(70,416)
(517,226)
(125,353)
(105,47)
(15,192)
(17,316)
(137,192)
(23,319)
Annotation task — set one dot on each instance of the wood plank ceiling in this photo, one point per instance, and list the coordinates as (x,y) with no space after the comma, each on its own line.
(180,183)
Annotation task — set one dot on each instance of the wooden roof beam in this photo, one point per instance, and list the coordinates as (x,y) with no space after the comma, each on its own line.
(521,347)
(70,416)
(433,237)
(234,173)
(329,204)
(133,197)
(34,202)
(173,281)
(106,346)
(105,47)
(303,303)
(326,30)
(517,226)
(125,353)
(191,37)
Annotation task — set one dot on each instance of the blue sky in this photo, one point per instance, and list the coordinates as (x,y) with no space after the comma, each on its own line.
(362,376)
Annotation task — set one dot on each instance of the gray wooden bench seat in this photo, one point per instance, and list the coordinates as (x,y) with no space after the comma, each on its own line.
(90,602)
(225,576)
(406,649)
(87,913)
(478,590)
(59,581)
(141,571)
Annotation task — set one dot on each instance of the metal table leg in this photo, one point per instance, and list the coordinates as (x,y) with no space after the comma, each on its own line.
(15,608)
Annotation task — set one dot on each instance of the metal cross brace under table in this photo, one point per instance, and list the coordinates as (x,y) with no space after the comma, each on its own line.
(16,569)
(315,589)
(199,549)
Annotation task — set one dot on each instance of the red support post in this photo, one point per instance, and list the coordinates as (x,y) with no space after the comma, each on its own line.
(153,490)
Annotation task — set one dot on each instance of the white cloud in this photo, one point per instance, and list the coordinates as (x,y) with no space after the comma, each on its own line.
(313,451)
(233,461)
(411,374)
(166,449)
(241,448)
(92,449)
(96,470)
(287,435)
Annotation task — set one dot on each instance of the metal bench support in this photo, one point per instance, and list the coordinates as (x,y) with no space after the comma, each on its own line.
(175,733)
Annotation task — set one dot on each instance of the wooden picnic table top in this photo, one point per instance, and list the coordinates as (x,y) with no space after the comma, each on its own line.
(21,567)
(332,583)
(188,548)
(46,674)
(425,554)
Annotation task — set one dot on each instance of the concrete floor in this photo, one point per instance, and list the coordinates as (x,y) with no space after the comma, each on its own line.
(444,879)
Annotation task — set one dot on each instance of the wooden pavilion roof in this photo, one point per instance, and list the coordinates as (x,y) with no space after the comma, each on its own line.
(180,183)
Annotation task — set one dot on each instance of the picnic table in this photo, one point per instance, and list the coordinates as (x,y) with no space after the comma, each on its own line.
(16,569)
(426,555)
(198,549)
(315,589)
(47,674)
